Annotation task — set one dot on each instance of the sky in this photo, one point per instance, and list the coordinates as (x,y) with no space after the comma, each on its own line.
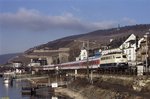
(28,23)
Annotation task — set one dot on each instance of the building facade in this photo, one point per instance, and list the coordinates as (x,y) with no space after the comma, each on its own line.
(141,52)
(48,57)
(129,48)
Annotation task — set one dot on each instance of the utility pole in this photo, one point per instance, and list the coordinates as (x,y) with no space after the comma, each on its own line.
(146,36)
(136,42)
(87,59)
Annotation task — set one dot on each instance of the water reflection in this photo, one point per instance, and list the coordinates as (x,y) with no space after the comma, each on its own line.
(15,91)
(6,85)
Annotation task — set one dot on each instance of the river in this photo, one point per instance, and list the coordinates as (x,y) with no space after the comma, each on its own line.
(13,91)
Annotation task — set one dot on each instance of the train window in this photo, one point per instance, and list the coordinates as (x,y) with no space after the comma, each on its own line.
(118,57)
(103,58)
(124,56)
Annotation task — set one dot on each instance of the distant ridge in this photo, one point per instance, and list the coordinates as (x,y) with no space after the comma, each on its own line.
(5,57)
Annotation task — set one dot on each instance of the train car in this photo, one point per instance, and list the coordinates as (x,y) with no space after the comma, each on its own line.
(114,61)
(92,63)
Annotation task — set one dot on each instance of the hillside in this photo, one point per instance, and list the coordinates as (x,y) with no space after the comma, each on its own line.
(101,37)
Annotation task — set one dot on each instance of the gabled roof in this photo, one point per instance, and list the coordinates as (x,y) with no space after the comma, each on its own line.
(130,38)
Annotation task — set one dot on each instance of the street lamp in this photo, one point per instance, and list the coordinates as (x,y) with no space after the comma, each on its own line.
(146,36)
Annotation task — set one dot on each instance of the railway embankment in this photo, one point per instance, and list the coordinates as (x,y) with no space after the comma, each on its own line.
(110,87)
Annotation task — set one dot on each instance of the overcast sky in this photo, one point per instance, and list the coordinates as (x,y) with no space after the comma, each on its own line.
(27,23)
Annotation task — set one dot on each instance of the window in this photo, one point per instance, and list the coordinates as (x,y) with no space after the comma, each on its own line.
(129,52)
(130,58)
(118,57)
(124,56)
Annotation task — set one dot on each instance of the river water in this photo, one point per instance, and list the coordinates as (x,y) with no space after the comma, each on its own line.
(11,91)
(14,91)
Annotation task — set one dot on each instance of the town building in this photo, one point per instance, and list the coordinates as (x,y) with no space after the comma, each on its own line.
(41,57)
(129,48)
(141,51)
(17,66)
(48,57)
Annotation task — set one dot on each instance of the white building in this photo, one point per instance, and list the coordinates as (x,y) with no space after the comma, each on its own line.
(83,55)
(129,48)
(16,65)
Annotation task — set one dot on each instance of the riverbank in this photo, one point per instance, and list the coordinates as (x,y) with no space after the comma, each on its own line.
(70,93)
(105,88)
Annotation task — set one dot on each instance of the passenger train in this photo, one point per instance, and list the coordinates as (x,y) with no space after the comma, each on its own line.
(109,61)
